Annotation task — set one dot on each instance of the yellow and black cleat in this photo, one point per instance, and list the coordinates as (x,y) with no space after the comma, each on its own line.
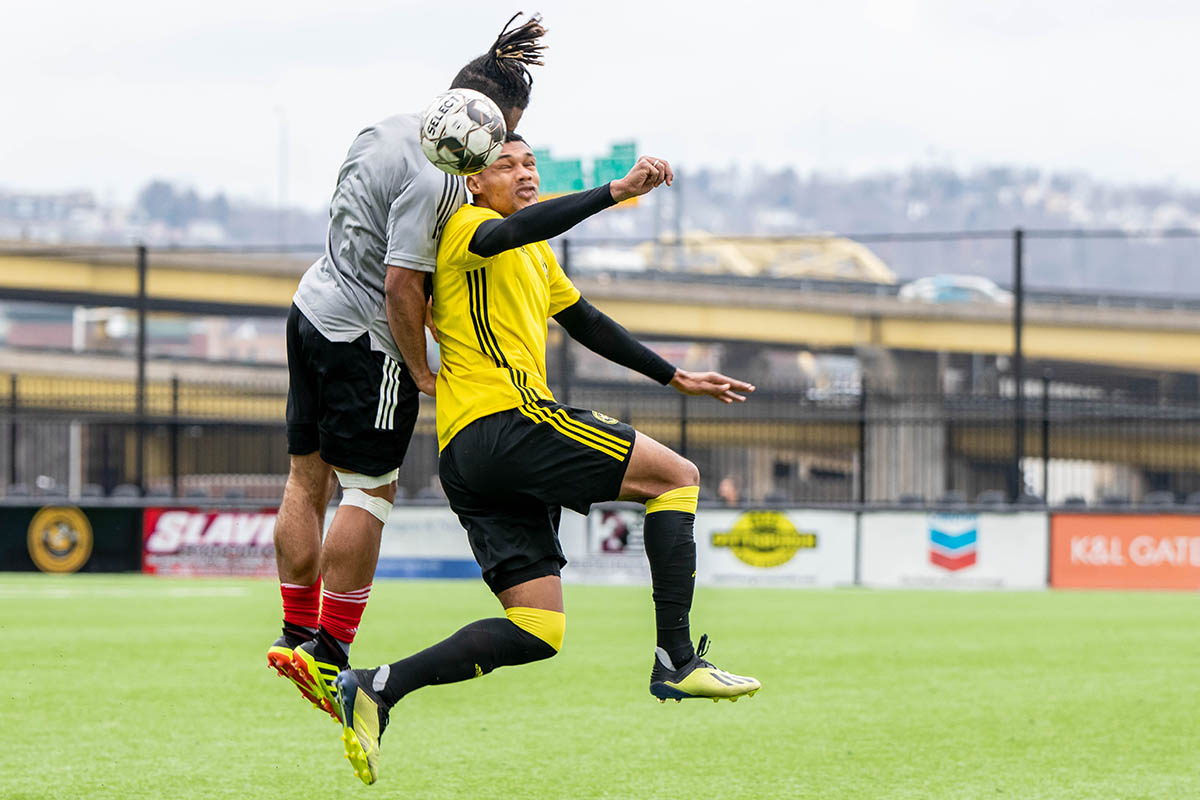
(697,679)
(314,678)
(364,718)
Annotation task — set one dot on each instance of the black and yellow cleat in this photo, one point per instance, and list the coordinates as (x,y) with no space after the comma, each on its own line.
(364,718)
(697,679)
(279,658)
(314,677)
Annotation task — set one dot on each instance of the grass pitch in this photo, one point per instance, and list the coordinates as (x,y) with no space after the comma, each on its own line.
(137,687)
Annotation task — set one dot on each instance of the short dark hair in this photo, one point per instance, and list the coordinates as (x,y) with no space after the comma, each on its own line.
(513,136)
(502,73)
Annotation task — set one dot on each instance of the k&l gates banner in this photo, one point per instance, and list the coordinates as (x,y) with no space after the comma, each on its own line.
(954,550)
(1125,551)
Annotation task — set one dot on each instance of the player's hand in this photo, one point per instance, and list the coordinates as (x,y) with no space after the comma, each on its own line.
(646,174)
(427,383)
(715,384)
(429,320)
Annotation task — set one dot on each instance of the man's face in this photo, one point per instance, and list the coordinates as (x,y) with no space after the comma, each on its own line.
(510,183)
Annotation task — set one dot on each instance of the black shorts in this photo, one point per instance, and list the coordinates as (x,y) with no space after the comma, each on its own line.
(506,475)
(355,405)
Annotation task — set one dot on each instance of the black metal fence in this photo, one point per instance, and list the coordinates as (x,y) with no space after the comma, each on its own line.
(1010,433)
(856,445)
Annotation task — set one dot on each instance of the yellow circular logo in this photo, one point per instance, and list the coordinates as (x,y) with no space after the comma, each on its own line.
(764,539)
(605,418)
(60,539)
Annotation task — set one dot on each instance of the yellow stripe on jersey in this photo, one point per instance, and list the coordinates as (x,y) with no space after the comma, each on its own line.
(539,415)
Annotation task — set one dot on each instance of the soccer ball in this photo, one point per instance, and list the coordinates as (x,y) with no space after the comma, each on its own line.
(462,132)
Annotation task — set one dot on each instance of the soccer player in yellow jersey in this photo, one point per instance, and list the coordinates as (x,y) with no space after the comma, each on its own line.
(511,456)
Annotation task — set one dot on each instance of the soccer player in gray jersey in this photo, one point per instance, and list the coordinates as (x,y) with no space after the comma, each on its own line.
(356,362)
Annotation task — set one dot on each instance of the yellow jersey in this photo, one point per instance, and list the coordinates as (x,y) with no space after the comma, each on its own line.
(491,315)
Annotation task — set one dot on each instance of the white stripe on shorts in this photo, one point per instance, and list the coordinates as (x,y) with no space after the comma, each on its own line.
(389,421)
(381,412)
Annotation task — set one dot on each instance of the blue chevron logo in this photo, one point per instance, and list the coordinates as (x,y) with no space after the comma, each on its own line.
(952,541)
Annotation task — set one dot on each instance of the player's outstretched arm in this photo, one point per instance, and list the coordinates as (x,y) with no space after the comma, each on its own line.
(602,334)
(550,218)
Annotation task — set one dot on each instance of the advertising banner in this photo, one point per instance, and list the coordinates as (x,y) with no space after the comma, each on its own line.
(1125,551)
(606,545)
(915,549)
(65,538)
(790,547)
(733,548)
(197,541)
(416,543)
(424,543)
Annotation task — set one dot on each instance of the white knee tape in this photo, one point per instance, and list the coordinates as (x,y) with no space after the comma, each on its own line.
(356,480)
(378,507)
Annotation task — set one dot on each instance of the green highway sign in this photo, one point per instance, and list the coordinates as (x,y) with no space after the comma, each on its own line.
(562,175)
(616,164)
(559,176)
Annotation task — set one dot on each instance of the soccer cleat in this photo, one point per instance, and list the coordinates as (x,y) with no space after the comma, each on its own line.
(697,678)
(279,658)
(364,717)
(314,677)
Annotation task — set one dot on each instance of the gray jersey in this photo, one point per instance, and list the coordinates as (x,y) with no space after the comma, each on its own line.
(389,208)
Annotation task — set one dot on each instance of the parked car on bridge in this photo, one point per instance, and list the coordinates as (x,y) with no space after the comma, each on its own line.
(955,289)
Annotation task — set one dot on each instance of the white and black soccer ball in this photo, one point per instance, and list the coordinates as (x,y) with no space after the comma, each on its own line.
(462,132)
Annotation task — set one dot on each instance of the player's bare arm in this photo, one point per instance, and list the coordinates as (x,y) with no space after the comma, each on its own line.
(404,293)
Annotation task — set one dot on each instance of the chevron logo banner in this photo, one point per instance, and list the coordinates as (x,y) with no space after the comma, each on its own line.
(953,540)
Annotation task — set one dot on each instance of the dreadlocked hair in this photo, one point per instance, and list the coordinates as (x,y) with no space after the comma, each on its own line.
(502,73)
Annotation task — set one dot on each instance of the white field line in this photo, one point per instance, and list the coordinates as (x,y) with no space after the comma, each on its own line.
(72,592)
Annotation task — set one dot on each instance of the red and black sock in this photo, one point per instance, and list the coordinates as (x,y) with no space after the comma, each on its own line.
(301,608)
(341,613)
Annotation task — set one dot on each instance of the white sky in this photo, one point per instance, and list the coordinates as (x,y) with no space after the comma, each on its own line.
(106,96)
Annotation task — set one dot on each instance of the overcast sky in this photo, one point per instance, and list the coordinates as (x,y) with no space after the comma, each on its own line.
(106,96)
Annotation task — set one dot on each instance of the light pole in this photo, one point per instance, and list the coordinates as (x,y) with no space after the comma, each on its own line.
(281,115)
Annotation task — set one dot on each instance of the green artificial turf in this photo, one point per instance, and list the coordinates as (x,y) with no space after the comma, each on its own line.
(141,687)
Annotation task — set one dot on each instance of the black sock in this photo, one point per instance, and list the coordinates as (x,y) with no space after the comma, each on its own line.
(330,650)
(473,650)
(671,551)
(295,635)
